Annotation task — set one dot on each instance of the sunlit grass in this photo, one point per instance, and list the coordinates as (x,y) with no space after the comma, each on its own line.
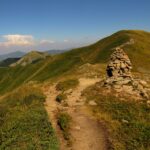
(24,122)
(128,122)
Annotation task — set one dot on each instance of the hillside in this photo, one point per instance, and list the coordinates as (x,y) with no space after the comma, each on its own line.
(139,51)
(29,58)
(56,66)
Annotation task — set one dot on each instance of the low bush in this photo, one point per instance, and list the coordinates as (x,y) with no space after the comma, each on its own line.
(67,84)
(61,97)
(64,122)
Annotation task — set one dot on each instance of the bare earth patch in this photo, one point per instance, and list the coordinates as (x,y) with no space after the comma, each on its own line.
(86,132)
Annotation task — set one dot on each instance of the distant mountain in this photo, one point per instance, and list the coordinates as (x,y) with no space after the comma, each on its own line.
(53,52)
(19,54)
(30,57)
(16,54)
(8,61)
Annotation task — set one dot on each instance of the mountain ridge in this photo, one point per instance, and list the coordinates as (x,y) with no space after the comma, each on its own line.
(29,58)
(18,54)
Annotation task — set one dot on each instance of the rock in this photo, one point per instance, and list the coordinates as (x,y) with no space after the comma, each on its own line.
(127,88)
(125,121)
(140,87)
(119,69)
(77,128)
(148,102)
(144,94)
(116,86)
(119,65)
(79,104)
(123,82)
(143,83)
(123,65)
(92,103)
(69,91)
(119,77)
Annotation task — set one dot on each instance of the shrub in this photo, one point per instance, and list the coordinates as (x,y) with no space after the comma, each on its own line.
(67,84)
(61,97)
(64,122)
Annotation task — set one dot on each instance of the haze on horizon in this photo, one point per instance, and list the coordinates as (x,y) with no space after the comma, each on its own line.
(54,24)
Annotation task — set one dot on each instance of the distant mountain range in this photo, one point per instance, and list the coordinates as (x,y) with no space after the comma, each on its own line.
(16,54)
(8,61)
(29,58)
(19,54)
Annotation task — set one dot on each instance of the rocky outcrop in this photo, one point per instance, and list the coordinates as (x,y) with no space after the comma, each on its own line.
(119,76)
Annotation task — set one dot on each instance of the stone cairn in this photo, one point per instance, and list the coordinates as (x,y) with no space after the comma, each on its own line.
(119,68)
(119,76)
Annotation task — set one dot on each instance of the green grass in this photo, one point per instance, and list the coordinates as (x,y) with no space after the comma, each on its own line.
(128,122)
(57,66)
(64,123)
(24,122)
(67,84)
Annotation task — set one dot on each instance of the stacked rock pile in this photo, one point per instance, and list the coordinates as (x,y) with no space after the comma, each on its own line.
(119,75)
(119,65)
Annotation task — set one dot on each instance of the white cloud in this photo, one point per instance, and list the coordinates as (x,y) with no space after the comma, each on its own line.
(66,40)
(47,42)
(13,42)
(17,40)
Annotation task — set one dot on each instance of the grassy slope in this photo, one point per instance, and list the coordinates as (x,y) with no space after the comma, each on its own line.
(24,122)
(128,122)
(96,53)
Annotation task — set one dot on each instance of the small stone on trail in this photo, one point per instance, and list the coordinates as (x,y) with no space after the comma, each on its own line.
(77,128)
(125,121)
(92,103)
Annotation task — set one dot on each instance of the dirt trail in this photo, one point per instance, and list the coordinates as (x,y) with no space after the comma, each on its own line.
(52,108)
(86,132)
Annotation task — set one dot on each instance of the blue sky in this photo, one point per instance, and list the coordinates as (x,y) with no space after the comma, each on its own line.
(61,24)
